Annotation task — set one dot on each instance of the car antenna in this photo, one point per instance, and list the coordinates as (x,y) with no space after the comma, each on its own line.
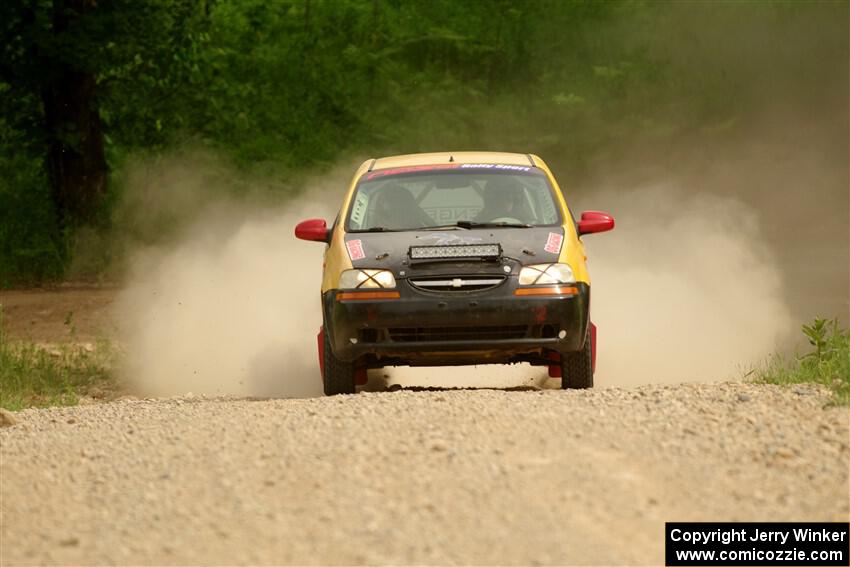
(451,158)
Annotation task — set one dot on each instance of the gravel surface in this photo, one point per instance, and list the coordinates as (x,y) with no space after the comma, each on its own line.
(471,477)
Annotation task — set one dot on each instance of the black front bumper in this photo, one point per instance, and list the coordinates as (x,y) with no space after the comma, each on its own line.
(430,329)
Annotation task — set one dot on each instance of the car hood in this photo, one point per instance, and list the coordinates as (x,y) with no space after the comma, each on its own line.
(390,250)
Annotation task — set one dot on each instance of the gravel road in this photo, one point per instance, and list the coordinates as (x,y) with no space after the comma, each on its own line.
(472,477)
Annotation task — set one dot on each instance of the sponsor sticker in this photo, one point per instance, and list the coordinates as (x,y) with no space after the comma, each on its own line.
(355,249)
(553,244)
(500,166)
(440,166)
(410,169)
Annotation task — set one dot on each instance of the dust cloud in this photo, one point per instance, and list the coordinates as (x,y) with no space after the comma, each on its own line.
(724,246)
(684,290)
(234,306)
(521,376)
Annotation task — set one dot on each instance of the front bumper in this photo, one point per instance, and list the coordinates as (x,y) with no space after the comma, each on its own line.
(428,329)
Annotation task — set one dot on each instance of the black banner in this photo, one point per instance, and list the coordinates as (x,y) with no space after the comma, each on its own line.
(754,543)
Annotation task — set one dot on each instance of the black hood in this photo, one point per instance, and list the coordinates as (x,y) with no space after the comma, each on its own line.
(391,250)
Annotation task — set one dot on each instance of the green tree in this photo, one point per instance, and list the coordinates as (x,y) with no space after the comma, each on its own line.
(56,57)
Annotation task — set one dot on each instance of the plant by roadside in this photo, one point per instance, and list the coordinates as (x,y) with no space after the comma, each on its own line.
(827,364)
(52,375)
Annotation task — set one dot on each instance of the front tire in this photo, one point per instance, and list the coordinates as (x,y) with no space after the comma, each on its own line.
(338,375)
(577,367)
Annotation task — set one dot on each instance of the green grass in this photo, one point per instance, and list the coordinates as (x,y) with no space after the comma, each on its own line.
(36,376)
(827,364)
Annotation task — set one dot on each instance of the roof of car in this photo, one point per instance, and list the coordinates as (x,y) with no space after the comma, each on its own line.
(452,157)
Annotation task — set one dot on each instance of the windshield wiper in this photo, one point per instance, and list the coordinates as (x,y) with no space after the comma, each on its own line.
(445,227)
(464,224)
(473,224)
(376,229)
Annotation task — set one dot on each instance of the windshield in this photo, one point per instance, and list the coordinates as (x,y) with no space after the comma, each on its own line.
(463,195)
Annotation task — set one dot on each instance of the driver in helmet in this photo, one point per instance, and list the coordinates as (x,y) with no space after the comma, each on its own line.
(500,200)
(395,208)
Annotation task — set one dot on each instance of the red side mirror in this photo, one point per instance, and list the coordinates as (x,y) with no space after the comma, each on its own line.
(595,221)
(313,229)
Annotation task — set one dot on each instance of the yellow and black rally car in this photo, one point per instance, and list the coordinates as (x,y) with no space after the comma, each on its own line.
(455,258)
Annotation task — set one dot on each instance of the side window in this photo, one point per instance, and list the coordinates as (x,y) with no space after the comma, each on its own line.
(544,205)
(359,208)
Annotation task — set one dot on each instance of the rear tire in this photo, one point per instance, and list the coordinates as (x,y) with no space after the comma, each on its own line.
(338,376)
(577,367)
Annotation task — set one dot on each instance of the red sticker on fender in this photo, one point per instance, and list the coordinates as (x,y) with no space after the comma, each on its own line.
(355,249)
(553,244)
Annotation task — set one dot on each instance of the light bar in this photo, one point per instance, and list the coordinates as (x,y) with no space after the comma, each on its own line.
(456,251)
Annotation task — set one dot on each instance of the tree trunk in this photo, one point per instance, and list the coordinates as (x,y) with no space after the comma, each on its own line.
(76,162)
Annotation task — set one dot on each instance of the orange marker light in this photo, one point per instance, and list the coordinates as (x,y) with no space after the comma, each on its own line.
(360,295)
(547,290)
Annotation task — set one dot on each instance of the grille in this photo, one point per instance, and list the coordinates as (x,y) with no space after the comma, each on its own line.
(453,284)
(412,334)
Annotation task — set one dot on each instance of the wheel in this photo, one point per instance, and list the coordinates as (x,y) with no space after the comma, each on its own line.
(577,367)
(338,376)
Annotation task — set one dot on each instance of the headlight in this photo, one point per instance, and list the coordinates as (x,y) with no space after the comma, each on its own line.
(546,274)
(359,279)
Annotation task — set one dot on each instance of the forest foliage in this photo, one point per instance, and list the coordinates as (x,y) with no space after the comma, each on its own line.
(285,85)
